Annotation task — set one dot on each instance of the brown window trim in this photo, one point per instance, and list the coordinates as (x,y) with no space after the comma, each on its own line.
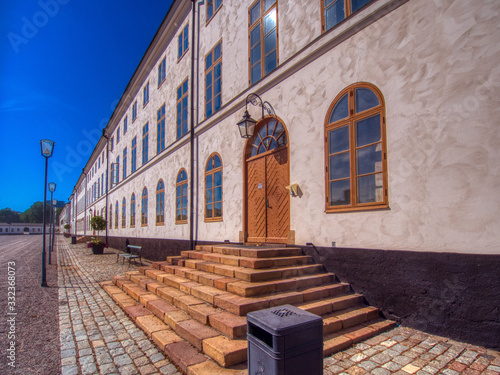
(213,15)
(350,121)
(177,184)
(212,172)
(261,20)
(211,69)
(162,190)
(145,104)
(347,10)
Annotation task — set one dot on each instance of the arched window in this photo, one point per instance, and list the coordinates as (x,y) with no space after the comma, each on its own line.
(213,188)
(110,216)
(124,204)
(181,198)
(356,156)
(144,208)
(160,203)
(116,215)
(132,211)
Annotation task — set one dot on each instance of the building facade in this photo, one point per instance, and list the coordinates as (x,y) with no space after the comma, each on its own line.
(375,147)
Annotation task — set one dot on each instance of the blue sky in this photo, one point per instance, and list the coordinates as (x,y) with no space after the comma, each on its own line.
(64,64)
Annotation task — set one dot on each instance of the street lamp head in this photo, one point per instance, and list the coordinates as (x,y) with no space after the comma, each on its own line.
(246,125)
(52,187)
(47,147)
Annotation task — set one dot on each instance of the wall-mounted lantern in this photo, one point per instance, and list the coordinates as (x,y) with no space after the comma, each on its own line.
(246,125)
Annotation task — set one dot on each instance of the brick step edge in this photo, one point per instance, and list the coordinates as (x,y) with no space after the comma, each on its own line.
(228,282)
(190,360)
(246,262)
(224,356)
(339,313)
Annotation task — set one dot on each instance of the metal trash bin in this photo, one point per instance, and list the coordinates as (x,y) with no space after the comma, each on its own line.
(284,340)
(73,240)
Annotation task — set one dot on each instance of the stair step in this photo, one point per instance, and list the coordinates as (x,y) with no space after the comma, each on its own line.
(253,251)
(338,341)
(194,305)
(254,263)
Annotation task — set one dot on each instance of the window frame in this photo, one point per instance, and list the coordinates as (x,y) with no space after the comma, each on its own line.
(162,71)
(182,40)
(133,155)
(132,210)
(144,207)
(347,13)
(145,95)
(124,163)
(124,212)
(214,10)
(145,143)
(134,111)
(125,125)
(116,215)
(212,70)
(212,172)
(184,95)
(177,185)
(160,129)
(351,121)
(251,26)
(160,203)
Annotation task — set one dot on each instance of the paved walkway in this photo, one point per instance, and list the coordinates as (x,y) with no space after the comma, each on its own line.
(98,338)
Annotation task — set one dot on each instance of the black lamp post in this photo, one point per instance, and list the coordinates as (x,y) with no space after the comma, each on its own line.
(52,188)
(246,125)
(47,149)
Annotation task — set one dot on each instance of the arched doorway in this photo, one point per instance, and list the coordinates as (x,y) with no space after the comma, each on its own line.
(267,175)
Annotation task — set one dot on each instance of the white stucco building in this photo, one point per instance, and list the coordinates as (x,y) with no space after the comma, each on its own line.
(382,122)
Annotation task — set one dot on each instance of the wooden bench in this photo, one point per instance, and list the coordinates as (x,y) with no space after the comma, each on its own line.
(133,252)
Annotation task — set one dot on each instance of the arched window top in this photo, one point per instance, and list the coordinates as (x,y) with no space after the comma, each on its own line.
(116,204)
(365,99)
(271,135)
(123,201)
(160,185)
(355,147)
(341,109)
(144,192)
(132,198)
(213,162)
(354,100)
(182,176)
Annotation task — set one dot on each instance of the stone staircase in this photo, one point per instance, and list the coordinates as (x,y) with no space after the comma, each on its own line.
(193,306)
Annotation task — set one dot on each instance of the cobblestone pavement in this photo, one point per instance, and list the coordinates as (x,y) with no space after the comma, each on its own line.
(404,351)
(96,335)
(98,338)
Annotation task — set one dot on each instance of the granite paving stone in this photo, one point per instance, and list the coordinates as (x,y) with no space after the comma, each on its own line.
(97,337)
(94,332)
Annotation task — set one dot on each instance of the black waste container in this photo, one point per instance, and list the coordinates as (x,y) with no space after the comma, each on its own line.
(73,240)
(284,340)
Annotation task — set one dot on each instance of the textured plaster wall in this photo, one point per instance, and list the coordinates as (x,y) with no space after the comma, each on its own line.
(436,63)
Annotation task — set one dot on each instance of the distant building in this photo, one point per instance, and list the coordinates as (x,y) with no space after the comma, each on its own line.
(380,158)
(21,228)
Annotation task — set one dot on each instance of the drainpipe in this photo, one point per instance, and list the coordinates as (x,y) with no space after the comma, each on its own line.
(85,207)
(107,172)
(191,197)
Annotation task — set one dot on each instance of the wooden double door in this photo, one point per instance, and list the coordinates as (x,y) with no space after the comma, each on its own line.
(268,174)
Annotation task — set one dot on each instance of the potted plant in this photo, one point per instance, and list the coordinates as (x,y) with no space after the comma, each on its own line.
(97,223)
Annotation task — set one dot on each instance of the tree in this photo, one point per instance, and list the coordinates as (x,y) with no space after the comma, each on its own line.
(9,216)
(98,223)
(34,214)
(67,226)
